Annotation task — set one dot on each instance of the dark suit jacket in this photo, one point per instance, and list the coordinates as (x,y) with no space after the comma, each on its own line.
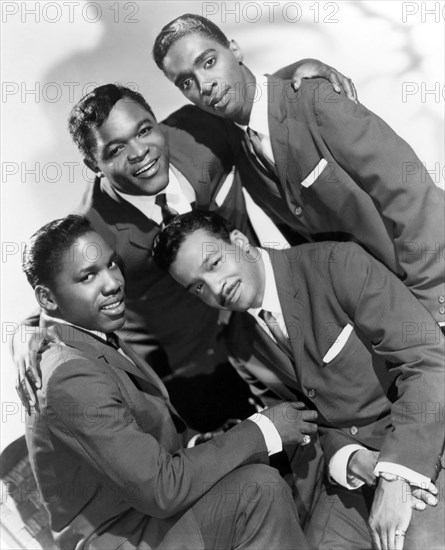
(385,389)
(107,450)
(203,149)
(344,174)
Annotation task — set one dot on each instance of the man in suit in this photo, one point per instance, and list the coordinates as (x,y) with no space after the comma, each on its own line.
(363,351)
(107,446)
(328,167)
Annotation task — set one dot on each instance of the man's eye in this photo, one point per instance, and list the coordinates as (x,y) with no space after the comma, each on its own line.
(198,288)
(144,131)
(87,278)
(210,62)
(116,150)
(215,263)
(185,84)
(113,264)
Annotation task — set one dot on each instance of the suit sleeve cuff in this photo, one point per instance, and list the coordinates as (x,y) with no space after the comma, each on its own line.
(270,433)
(338,467)
(412,477)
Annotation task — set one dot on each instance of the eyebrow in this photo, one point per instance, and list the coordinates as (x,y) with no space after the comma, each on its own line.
(92,265)
(197,60)
(121,139)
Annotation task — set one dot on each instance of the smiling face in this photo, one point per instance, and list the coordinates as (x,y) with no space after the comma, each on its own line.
(88,288)
(224,275)
(211,76)
(131,150)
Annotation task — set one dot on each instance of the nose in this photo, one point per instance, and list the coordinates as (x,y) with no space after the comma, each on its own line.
(111,282)
(214,285)
(206,86)
(137,150)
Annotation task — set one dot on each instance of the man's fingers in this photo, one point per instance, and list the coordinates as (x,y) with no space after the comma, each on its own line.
(296,83)
(376,539)
(354,91)
(52,334)
(418,505)
(333,78)
(23,398)
(309,428)
(309,416)
(424,496)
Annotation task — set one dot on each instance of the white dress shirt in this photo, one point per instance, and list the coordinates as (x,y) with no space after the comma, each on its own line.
(179,195)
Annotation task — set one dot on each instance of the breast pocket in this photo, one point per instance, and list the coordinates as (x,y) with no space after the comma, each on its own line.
(315,174)
(338,345)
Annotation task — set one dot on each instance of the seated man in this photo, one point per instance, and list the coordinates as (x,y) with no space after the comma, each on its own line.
(107,447)
(363,351)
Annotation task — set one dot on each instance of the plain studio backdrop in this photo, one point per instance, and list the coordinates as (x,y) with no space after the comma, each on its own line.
(55,52)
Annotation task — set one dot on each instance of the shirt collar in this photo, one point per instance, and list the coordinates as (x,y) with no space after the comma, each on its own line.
(271,301)
(174,191)
(259,114)
(97,333)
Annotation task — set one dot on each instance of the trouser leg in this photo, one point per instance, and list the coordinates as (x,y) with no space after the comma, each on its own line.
(251,508)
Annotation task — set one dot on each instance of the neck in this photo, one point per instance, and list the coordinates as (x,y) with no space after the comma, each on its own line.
(262,278)
(248,95)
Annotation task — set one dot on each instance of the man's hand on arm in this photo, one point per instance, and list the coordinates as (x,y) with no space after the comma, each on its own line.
(292,421)
(313,68)
(26,346)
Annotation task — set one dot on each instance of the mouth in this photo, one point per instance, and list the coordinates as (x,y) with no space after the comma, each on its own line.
(230,294)
(149,169)
(219,103)
(114,307)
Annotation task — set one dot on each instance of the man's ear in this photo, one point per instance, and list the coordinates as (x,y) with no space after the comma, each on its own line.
(92,166)
(236,237)
(236,51)
(45,298)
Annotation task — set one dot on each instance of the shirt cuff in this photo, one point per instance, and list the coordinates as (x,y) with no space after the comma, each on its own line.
(338,467)
(270,433)
(412,477)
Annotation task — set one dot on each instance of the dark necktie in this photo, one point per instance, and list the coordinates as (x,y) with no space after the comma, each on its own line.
(255,140)
(113,340)
(167,213)
(277,333)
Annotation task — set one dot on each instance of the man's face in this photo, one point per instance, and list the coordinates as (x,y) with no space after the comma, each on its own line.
(211,76)
(89,287)
(131,150)
(225,275)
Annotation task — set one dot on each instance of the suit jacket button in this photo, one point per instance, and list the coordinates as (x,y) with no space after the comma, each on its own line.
(312,394)
(211,351)
(298,211)
(441,299)
(353,430)
(442,310)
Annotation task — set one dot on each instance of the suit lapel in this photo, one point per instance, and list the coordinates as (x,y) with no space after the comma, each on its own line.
(127,218)
(292,308)
(279,136)
(89,345)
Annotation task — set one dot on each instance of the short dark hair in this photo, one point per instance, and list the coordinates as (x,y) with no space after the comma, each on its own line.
(92,111)
(41,259)
(169,240)
(184,25)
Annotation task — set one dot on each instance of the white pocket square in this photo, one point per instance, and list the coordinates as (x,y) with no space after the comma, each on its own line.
(307,182)
(339,344)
